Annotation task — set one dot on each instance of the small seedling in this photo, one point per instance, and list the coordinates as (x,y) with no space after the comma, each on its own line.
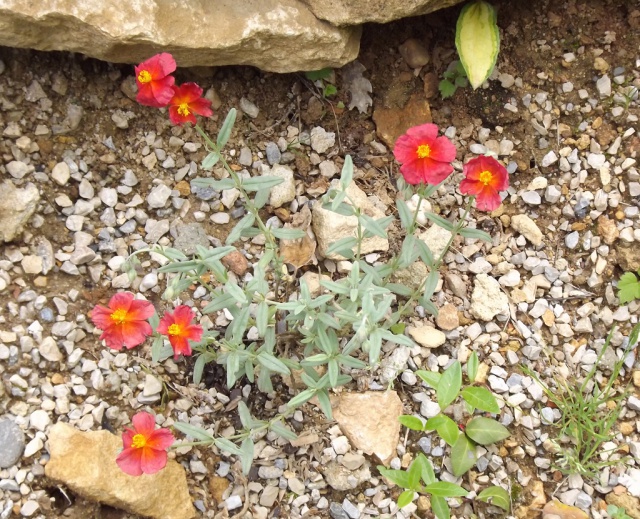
(628,288)
(321,78)
(617,512)
(454,77)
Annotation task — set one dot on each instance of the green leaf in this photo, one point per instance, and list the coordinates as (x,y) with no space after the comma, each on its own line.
(399,477)
(628,288)
(245,415)
(260,183)
(196,433)
(480,398)
(376,227)
(270,362)
(432,378)
(497,496)
(446,88)
(440,507)
(426,469)
(446,427)
(346,175)
(314,75)
(475,234)
(406,216)
(430,285)
(288,234)
(472,367)
(246,458)
(440,221)
(445,489)
(477,41)
(463,455)
(224,301)
(210,160)
(301,398)
(405,498)
(486,431)
(342,245)
(329,90)
(228,446)
(325,402)
(198,368)
(449,385)
(246,221)
(281,430)
(227,126)
(411,422)
(219,185)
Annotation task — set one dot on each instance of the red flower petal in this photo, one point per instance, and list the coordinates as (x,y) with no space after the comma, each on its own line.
(135,333)
(101,317)
(130,461)
(152,461)
(127,437)
(179,119)
(423,133)
(434,172)
(160,439)
(144,423)
(443,150)
(180,345)
(139,310)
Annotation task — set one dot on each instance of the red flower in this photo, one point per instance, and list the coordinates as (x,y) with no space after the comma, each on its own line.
(177,326)
(187,100)
(154,82)
(485,177)
(424,156)
(145,449)
(124,322)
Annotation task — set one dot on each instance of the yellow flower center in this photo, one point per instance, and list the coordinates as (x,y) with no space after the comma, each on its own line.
(119,316)
(485,177)
(138,441)
(423,151)
(144,76)
(183,109)
(174,329)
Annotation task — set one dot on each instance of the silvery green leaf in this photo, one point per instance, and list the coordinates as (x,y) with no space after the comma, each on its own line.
(281,430)
(246,222)
(406,216)
(154,320)
(245,415)
(375,345)
(218,185)
(316,360)
(401,290)
(376,227)
(431,283)
(402,340)
(334,371)
(224,301)
(262,318)
(425,253)
(321,300)
(250,232)
(336,288)
(261,198)
(325,403)
(429,306)
(227,126)
(409,252)
(272,363)
(236,292)
(343,209)
(195,432)
(182,266)
(260,183)
(159,349)
(227,446)
(346,175)
(210,160)
(198,368)
(351,362)
(288,234)
(246,458)
(475,234)
(341,245)
(215,253)
(301,398)
(440,221)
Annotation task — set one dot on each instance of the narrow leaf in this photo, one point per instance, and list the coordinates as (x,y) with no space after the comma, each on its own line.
(227,126)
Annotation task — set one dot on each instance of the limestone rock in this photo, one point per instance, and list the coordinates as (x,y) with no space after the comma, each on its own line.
(370,421)
(556,508)
(392,122)
(527,227)
(86,463)
(427,336)
(411,277)
(436,239)
(16,206)
(11,443)
(448,318)
(351,12)
(284,192)
(630,504)
(629,257)
(341,478)
(274,35)
(330,227)
(487,299)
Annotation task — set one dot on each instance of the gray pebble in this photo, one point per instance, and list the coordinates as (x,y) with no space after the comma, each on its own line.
(249,108)
(273,153)
(336,511)
(351,509)
(531,198)
(11,443)
(571,240)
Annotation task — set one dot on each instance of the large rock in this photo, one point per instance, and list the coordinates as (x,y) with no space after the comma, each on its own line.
(86,463)
(16,206)
(351,12)
(370,421)
(487,299)
(274,35)
(330,227)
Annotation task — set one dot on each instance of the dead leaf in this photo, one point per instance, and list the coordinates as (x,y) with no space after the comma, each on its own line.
(359,86)
(299,252)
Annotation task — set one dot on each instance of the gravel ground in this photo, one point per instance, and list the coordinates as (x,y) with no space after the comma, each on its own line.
(112,177)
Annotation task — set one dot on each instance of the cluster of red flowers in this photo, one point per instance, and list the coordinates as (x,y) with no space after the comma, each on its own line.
(426,158)
(156,88)
(124,323)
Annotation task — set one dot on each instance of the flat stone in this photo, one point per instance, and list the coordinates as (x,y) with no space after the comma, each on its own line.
(392,122)
(11,443)
(563,511)
(190,235)
(284,192)
(341,478)
(321,139)
(427,336)
(527,227)
(370,421)
(436,239)
(448,318)
(330,227)
(158,196)
(274,35)
(16,208)
(49,350)
(163,495)
(487,299)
